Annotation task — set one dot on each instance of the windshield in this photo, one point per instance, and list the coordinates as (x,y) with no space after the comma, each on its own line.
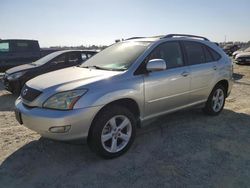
(117,57)
(47,58)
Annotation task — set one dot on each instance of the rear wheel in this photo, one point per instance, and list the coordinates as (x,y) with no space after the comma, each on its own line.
(216,101)
(113,132)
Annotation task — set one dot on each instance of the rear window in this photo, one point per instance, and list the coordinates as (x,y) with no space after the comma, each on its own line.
(195,53)
(4,47)
(208,55)
(215,55)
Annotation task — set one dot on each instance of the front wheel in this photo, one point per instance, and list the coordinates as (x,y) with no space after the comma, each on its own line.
(113,132)
(216,101)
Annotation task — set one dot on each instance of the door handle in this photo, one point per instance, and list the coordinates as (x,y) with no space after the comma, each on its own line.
(184,74)
(215,67)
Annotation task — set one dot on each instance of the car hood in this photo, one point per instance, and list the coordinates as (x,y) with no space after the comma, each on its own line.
(20,68)
(237,52)
(243,54)
(69,78)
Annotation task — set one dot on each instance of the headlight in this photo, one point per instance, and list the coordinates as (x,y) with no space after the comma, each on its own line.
(15,75)
(64,100)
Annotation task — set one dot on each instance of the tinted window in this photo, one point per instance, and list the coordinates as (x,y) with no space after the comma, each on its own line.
(84,56)
(73,58)
(4,47)
(170,52)
(59,59)
(208,55)
(90,55)
(195,53)
(22,46)
(215,55)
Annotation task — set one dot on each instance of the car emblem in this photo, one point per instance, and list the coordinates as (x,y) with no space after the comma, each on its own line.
(25,92)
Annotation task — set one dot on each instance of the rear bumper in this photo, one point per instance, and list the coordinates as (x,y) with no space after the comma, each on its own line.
(42,120)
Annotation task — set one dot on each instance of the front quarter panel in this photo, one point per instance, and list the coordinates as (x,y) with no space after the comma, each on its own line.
(108,91)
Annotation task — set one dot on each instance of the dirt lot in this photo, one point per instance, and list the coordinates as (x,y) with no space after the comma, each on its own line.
(184,149)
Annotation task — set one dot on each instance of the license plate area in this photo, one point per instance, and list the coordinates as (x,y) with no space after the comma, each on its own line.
(18,117)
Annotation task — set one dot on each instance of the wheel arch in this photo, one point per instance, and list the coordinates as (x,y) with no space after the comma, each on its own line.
(128,103)
(224,83)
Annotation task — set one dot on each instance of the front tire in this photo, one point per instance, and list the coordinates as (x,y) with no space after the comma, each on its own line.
(113,132)
(216,101)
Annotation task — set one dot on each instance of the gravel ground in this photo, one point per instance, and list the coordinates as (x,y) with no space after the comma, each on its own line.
(184,149)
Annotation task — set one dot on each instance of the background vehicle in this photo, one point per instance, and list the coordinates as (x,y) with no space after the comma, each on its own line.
(243,58)
(14,52)
(15,78)
(241,51)
(230,49)
(124,85)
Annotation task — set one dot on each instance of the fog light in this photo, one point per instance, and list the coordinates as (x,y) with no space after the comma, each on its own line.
(60,129)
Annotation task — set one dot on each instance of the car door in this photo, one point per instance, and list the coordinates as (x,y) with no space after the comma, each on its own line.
(169,89)
(202,68)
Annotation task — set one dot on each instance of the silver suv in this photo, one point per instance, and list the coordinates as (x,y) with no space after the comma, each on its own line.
(132,81)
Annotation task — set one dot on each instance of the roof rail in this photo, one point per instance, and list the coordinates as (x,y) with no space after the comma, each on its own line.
(185,35)
(134,38)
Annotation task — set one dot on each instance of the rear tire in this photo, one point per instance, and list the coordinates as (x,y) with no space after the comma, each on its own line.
(216,101)
(113,132)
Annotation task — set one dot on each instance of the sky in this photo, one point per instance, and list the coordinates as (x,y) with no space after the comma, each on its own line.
(99,22)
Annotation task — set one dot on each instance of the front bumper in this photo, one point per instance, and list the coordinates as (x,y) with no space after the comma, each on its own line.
(11,85)
(41,120)
(243,60)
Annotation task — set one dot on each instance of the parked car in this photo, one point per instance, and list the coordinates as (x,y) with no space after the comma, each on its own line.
(230,49)
(240,51)
(14,52)
(126,84)
(15,78)
(243,58)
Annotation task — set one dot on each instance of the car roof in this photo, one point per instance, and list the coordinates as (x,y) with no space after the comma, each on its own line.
(10,40)
(64,51)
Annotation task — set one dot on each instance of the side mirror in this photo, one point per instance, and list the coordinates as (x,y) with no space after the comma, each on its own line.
(156,65)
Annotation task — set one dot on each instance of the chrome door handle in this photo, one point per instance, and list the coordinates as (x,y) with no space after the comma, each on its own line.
(185,73)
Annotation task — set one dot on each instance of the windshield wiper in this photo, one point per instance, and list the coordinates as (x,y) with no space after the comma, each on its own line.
(93,66)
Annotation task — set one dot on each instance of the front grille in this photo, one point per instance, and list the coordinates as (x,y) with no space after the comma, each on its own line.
(29,94)
(243,59)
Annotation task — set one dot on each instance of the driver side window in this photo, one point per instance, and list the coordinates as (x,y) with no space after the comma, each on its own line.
(59,60)
(170,52)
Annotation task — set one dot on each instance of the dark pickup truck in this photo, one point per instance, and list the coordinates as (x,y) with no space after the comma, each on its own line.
(14,52)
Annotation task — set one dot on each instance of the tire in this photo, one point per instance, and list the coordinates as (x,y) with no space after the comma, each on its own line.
(216,101)
(112,132)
